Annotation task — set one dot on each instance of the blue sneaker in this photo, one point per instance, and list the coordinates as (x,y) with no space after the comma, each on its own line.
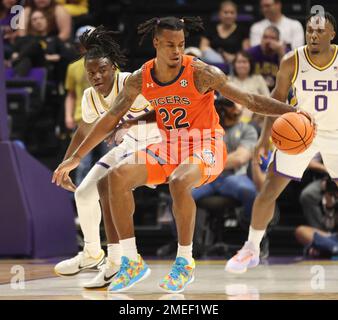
(129,274)
(179,277)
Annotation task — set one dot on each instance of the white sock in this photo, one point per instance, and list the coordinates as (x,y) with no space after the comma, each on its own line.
(255,237)
(185,252)
(129,248)
(89,211)
(93,249)
(114,253)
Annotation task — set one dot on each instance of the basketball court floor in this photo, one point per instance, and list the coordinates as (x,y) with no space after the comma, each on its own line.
(286,279)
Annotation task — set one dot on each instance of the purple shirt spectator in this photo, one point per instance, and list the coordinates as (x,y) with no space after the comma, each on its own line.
(267,56)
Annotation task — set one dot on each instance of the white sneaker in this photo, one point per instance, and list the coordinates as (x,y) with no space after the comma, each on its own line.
(245,258)
(83,261)
(104,277)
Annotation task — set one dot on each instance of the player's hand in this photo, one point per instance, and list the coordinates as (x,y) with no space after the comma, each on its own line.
(110,139)
(310,117)
(261,150)
(119,132)
(62,171)
(68,184)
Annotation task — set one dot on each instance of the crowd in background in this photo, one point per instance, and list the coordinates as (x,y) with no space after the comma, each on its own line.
(249,55)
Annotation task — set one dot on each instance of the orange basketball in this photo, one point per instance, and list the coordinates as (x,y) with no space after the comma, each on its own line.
(292,133)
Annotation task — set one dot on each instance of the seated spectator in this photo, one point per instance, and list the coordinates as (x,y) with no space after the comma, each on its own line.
(267,55)
(79,11)
(75,7)
(240,139)
(5,24)
(75,84)
(220,43)
(38,49)
(320,206)
(243,77)
(59,20)
(292,32)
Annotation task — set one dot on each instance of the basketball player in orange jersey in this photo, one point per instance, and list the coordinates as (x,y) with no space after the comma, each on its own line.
(181,91)
(313,72)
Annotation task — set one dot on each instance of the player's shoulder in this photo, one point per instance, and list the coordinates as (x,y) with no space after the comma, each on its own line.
(290,60)
(121,79)
(88,91)
(204,69)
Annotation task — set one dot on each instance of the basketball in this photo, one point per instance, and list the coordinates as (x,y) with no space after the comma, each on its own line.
(292,133)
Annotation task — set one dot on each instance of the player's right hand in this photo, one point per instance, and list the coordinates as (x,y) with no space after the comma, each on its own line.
(62,171)
(68,184)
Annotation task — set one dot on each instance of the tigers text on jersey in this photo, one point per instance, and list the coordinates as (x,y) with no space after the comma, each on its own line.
(316,88)
(178,104)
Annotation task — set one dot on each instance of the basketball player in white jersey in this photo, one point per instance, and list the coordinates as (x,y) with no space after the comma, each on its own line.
(312,71)
(102,59)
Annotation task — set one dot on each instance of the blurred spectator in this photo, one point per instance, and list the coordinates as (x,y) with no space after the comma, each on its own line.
(5,23)
(38,49)
(268,55)
(221,43)
(292,32)
(320,206)
(75,7)
(59,20)
(316,199)
(79,10)
(243,78)
(75,84)
(193,51)
(240,139)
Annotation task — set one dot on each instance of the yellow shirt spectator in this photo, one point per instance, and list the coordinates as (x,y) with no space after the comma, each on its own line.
(76,81)
(75,7)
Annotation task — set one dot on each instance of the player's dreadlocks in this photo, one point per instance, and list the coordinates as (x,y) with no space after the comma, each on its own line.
(100,43)
(155,25)
(328,17)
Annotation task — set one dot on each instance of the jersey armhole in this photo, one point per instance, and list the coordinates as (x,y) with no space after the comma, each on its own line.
(295,73)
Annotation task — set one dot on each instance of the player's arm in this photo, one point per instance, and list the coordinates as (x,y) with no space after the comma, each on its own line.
(208,77)
(103,127)
(78,136)
(280,92)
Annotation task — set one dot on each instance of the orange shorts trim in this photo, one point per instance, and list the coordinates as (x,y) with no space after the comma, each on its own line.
(161,161)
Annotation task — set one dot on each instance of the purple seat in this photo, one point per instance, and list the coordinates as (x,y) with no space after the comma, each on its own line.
(36,78)
(18,100)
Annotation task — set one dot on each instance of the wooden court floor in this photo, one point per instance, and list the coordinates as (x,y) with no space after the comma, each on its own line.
(303,280)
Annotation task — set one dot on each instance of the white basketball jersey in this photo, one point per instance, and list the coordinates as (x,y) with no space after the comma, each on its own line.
(316,89)
(94,105)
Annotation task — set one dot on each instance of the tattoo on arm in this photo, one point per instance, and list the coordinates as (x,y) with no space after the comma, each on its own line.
(208,77)
(126,97)
(212,78)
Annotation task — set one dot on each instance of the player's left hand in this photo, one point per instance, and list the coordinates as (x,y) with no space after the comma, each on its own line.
(62,171)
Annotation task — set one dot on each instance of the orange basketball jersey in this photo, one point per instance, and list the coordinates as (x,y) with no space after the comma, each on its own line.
(178,104)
